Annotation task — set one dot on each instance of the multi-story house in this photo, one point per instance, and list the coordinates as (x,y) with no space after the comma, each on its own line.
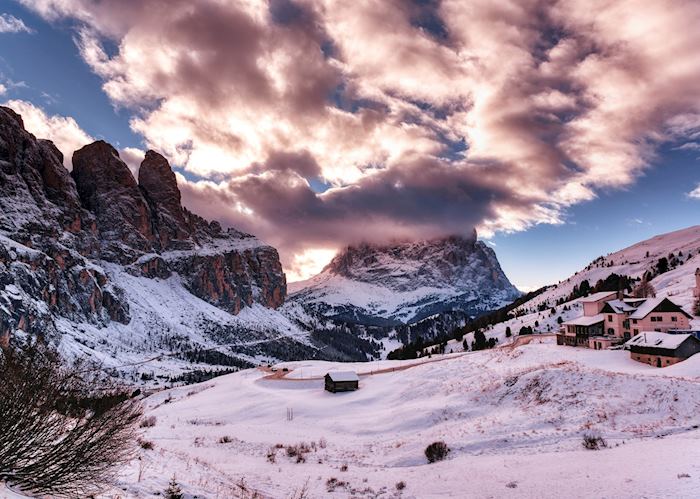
(608,320)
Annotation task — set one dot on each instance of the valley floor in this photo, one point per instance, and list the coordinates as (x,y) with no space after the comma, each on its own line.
(514,419)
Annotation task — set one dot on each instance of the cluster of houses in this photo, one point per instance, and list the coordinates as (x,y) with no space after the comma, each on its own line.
(656,331)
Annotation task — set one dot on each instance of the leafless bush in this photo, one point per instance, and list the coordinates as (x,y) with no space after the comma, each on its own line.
(334,483)
(593,442)
(400,485)
(344,467)
(148,422)
(298,451)
(437,451)
(225,439)
(146,444)
(62,431)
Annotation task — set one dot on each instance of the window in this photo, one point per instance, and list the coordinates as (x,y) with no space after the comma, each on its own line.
(636,332)
(634,321)
(611,330)
(609,318)
(674,319)
(653,318)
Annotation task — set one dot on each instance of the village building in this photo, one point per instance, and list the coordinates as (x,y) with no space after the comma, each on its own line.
(696,289)
(662,349)
(608,320)
(342,381)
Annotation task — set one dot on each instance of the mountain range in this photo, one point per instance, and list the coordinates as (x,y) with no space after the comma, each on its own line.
(114,268)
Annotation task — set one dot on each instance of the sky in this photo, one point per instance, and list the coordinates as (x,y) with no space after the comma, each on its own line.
(560,129)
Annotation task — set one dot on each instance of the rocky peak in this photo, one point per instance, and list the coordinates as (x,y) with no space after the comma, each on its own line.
(38,198)
(405,282)
(107,188)
(354,261)
(159,185)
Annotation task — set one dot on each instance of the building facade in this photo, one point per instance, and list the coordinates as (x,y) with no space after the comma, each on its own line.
(607,320)
(662,349)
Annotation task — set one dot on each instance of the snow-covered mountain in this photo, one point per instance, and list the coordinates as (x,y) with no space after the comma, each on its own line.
(407,282)
(115,269)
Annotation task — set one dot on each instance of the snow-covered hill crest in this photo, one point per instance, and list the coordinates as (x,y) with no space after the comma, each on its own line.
(407,282)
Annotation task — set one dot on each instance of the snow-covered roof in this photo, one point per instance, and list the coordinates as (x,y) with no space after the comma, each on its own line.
(648,306)
(343,376)
(620,306)
(596,296)
(656,339)
(586,320)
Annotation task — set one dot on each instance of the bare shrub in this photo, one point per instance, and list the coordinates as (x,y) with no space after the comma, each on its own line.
(334,483)
(400,485)
(225,440)
(344,467)
(148,422)
(272,455)
(437,451)
(146,444)
(63,432)
(593,442)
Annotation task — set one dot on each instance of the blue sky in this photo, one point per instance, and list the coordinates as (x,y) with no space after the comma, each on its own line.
(655,204)
(56,78)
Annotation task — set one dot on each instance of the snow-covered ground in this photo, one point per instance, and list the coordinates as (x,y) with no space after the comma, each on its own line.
(514,419)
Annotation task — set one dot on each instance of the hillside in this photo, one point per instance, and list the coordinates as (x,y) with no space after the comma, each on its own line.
(514,420)
(634,261)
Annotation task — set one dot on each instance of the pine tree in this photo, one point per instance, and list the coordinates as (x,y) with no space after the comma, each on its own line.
(173,491)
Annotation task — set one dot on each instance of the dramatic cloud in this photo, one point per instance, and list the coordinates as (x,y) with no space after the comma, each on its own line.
(3,89)
(11,24)
(63,131)
(316,123)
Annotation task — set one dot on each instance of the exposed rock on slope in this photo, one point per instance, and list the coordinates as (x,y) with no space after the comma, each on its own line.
(404,283)
(59,231)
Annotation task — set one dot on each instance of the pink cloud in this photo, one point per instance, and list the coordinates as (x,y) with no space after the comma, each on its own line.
(425,118)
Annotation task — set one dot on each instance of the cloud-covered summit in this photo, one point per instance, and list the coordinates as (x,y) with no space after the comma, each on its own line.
(316,123)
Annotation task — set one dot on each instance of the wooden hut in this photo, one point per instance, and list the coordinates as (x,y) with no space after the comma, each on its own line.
(342,381)
(662,349)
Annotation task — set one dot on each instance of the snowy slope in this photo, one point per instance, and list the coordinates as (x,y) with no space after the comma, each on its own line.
(634,261)
(513,419)
(167,319)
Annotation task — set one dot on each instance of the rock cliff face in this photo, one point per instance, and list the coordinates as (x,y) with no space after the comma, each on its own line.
(405,283)
(59,231)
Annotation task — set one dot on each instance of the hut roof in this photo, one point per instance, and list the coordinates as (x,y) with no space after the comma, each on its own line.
(343,376)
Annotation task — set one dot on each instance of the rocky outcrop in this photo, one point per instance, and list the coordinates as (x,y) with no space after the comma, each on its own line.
(108,190)
(159,185)
(59,230)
